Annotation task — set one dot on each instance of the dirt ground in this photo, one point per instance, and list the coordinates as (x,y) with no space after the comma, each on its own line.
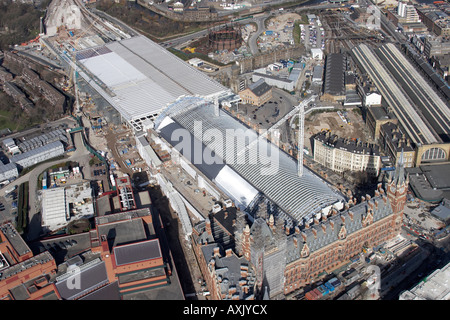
(279,22)
(356,128)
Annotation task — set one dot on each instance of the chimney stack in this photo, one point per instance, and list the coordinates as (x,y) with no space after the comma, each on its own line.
(208,226)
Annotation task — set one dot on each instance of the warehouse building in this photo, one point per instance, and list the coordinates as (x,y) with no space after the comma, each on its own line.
(32,157)
(8,171)
(24,276)
(125,256)
(44,139)
(334,82)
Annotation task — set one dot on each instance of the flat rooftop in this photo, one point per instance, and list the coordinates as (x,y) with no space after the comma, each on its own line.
(122,231)
(85,279)
(430,182)
(434,287)
(137,252)
(15,239)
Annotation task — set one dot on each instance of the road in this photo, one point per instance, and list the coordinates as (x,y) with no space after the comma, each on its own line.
(258,20)
(261,27)
(122,25)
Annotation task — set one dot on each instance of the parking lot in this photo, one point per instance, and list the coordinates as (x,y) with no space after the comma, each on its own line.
(313,35)
(8,207)
(270,112)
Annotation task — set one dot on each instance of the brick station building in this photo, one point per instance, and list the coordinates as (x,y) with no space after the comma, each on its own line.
(286,259)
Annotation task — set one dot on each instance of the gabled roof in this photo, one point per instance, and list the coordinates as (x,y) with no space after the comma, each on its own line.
(259,88)
(352,220)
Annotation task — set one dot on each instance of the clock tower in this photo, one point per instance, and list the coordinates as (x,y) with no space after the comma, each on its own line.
(397,188)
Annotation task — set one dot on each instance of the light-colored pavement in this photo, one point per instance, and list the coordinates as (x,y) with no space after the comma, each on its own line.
(261,27)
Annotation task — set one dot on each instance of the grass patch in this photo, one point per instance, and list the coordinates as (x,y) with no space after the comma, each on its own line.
(7,121)
(186,56)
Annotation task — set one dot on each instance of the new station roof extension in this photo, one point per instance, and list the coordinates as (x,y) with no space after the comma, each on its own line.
(139,78)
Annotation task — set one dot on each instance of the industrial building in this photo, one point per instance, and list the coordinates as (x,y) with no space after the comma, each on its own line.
(11,146)
(123,255)
(334,79)
(39,154)
(140,78)
(317,76)
(8,171)
(55,208)
(283,81)
(44,139)
(427,129)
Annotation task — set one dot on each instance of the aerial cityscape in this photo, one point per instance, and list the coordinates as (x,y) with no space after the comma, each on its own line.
(236,150)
